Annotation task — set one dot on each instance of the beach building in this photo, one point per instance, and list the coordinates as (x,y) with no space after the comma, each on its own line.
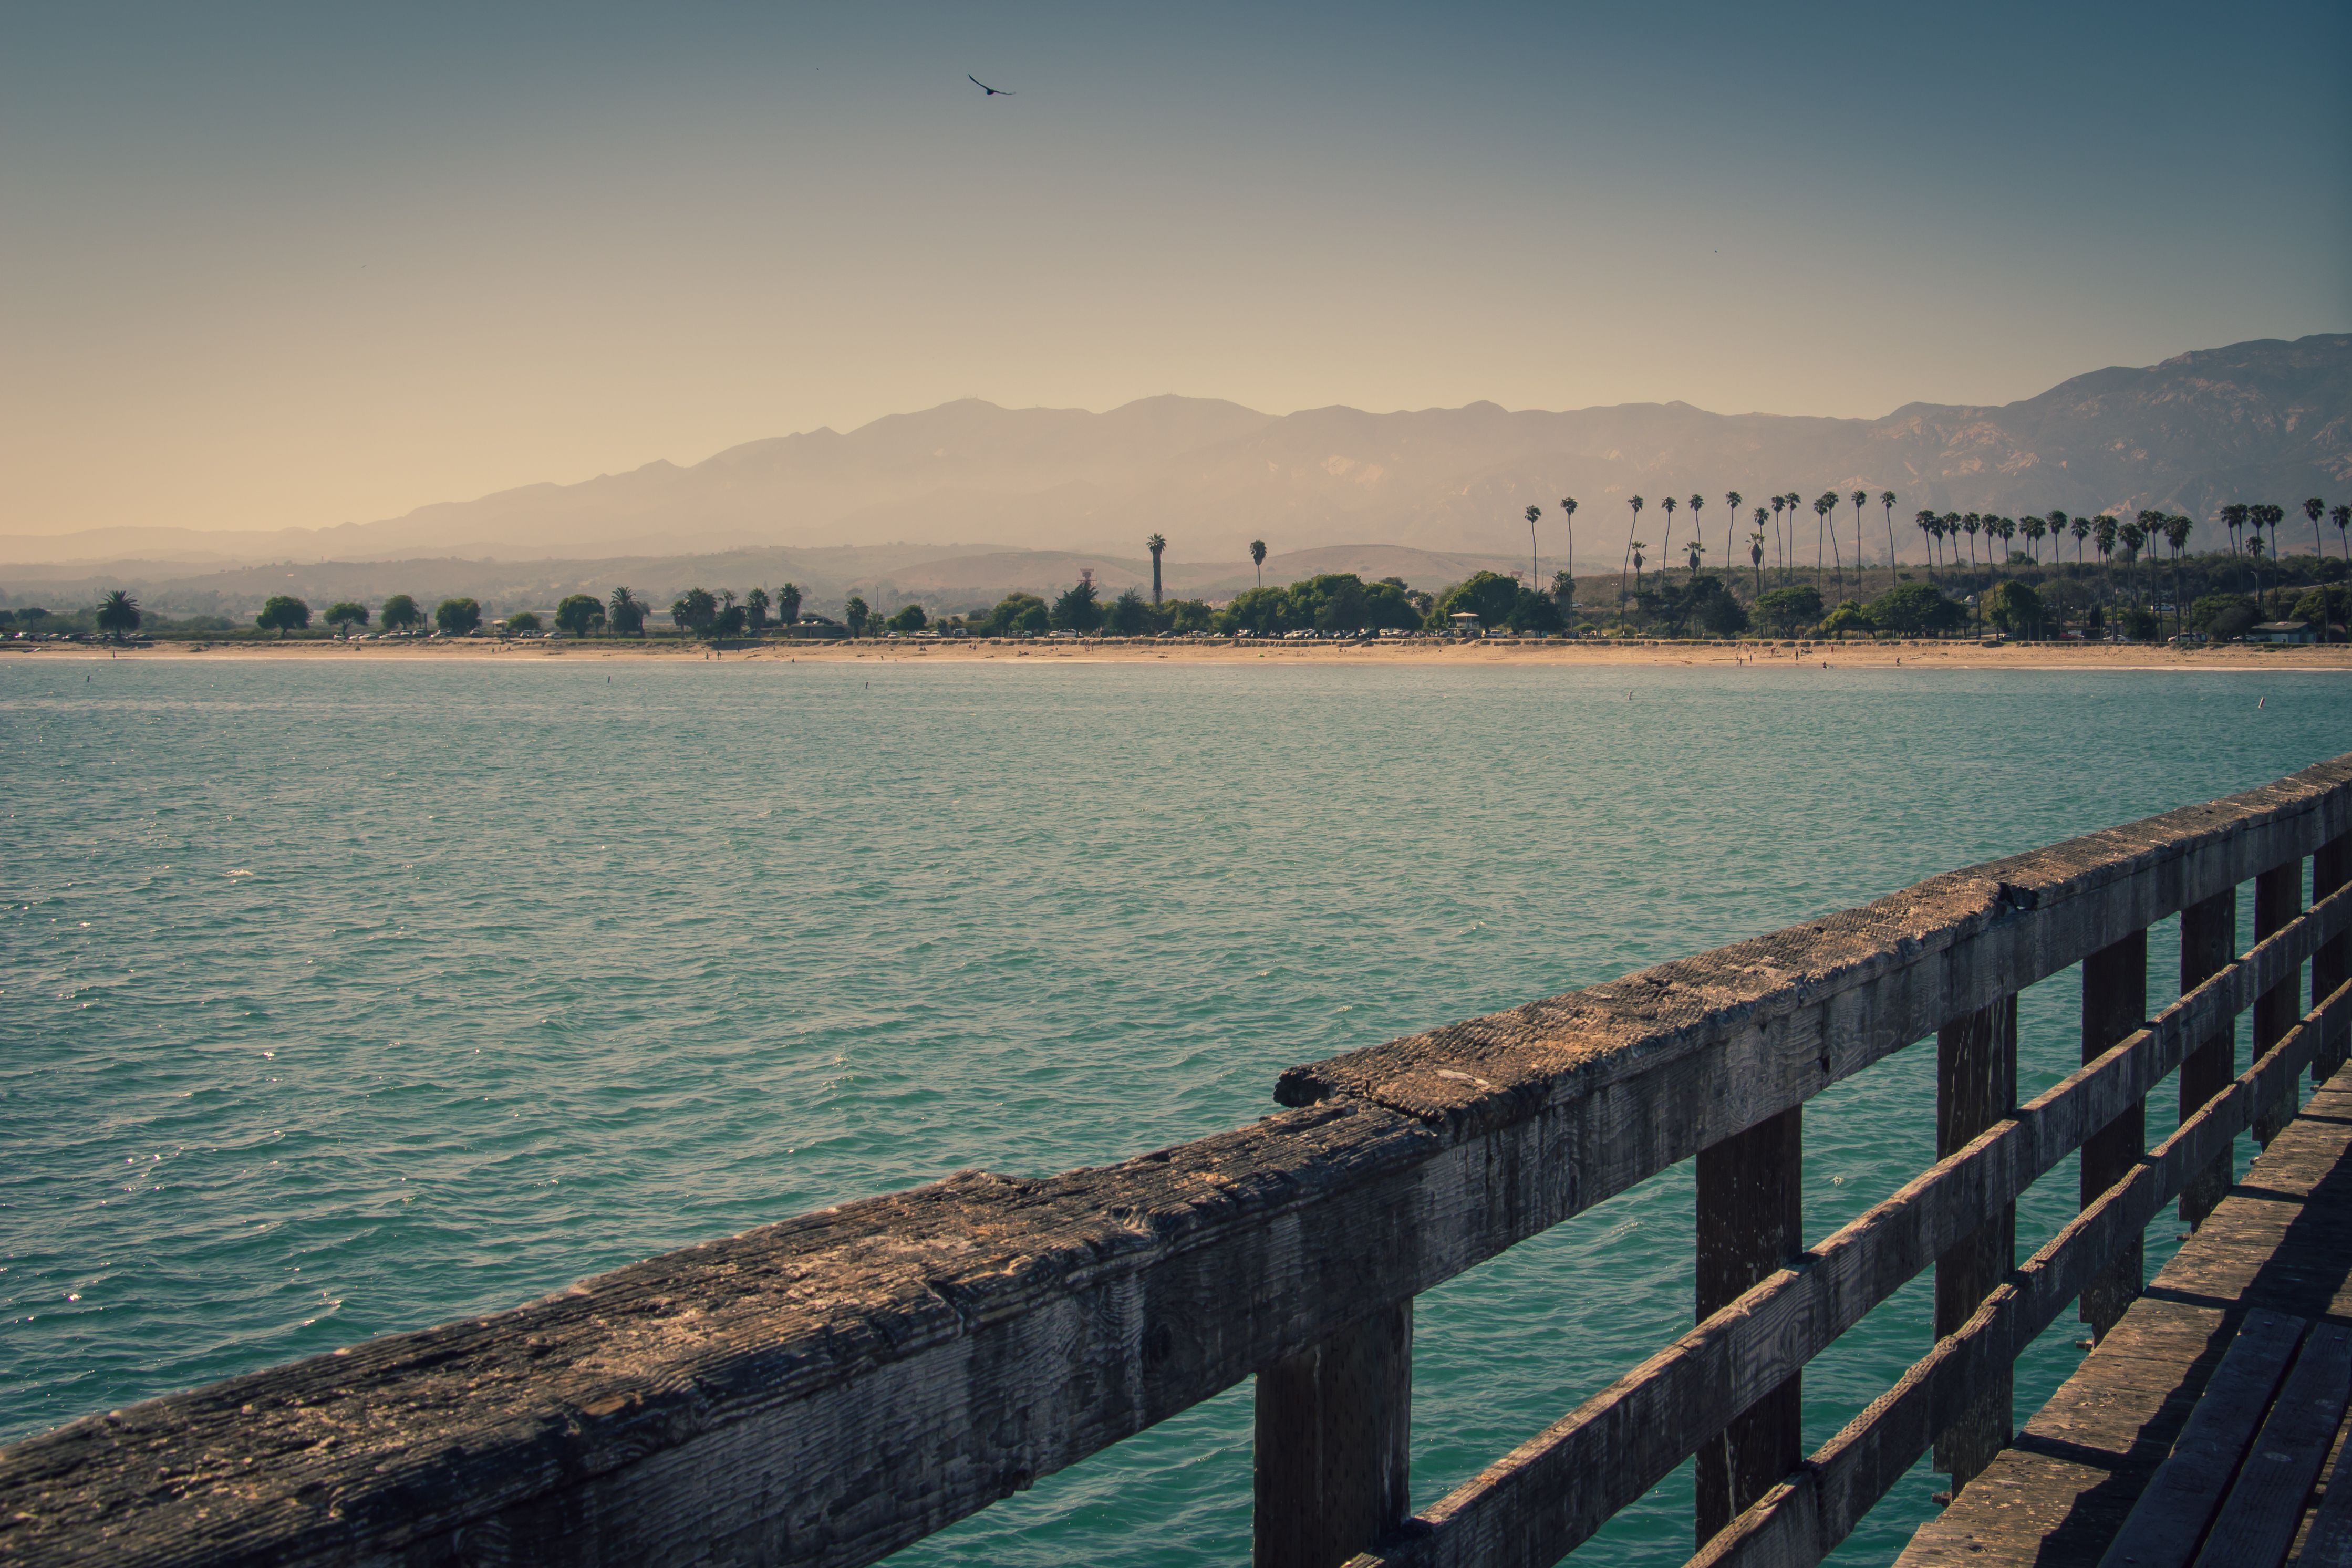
(2280,631)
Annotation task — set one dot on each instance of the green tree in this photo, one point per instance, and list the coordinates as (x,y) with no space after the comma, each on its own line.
(458,617)
(1563,592)
(1756,550)
(2081,529)
(343,614)
(117,613)
(2315,508)
(2325,607)
(1861,498)
(1931,529)
(1078,608)
(1666,545)
(1567,521)
(523,621)
(1260,611)
(1189,615)
(1886,500)
(696,611)
(579,614)
(1777,503)
(1914,610)
(1697,504)
(908,619)
(788,604)
(756,604)
(1128,615)
(1731,502)
(2013,607)
(1824,504)
(1257,559)
(402,613)
(2223,616)
(2177,529)
(1534,555)
(1155,544)
(1849,619)
(854,614)
(1019,616)
(627,613)
(1634,503)
(1786,609)
(1490,596)
(281,613)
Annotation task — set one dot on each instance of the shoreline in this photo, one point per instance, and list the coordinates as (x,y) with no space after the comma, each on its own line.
(2120,657)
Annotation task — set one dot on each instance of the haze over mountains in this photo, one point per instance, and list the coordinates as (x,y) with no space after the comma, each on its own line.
(2265,419)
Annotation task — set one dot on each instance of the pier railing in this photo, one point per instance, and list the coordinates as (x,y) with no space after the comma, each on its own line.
(825,1390)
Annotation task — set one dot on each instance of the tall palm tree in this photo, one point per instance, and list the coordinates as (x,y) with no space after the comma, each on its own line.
(1756,551)
(2008,532)
(1695,548)
(1257,559)
(2340,515)
(2057,535)
(2315,508)
(2233,517)
(1860,499)
(1731,499)
(1779,551)
(2132,536)
(1886,500)
(2081,529)
(1971,523)
(1535,562)
(1824,504)
(1697,505)
(2177,529)
(2034,529)
(2103,539)
(1632,544)
(1928,529)
(1568,520)
(1155,544)
(627,613)
(117,613)
(1666,548)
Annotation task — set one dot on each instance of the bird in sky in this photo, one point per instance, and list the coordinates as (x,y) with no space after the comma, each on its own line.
(991,91)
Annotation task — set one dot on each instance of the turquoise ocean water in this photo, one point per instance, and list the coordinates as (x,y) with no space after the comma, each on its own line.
(338,1000)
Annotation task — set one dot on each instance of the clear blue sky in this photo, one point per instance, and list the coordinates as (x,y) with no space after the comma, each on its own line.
(269,265)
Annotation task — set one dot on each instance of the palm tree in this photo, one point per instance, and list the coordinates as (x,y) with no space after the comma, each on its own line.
(1695,549)
(1731,502)
(1928,529)
(1534,565)
(2103,538)
(117,613)
(1972,523)
(1697,505)
(627,615)
(2057,535)
(2233,517)
(2034,529)
(1824,504)
(1155,544)
(2131,535)
(2254,553)
(2175,534)
(1257,559)
(1632,544)
(2315,508)
(1887,499)
(1756,551)
(1667,548)
(1860,498)
(1779,550)
(2008,532)
(1567,520)
(2081,529)
(2340,515)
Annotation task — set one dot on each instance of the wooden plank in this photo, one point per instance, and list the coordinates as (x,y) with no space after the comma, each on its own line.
(2165,1527)
(2331,868)
(2209,937)
(1333,1445)
(1751,1209)
(1976,1089)
(1539,1502)
(2258,1521)
(2114,998)
(2278,897)
(1801,1520)
(829,1389)
(2329,1543)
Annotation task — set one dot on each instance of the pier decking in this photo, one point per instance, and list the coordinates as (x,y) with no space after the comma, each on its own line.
(2273,1265)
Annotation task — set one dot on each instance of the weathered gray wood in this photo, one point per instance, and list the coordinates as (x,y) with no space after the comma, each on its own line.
(2114,998)
(2331,868)
(1801,1520)
(2258,1519)
(1535,1504)
(1334,1445)
(2165,1527)
(2329,1543)
(1976,1089)
(2278,897)
(2208,936)
(1752,1212)
(826,1390)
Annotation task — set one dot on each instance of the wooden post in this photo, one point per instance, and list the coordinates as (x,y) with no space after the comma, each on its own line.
(1333,1447)
(2278,899)
(2209,938)
(1976,1086)
(1750,1222)
(2115,1003)
(2331,868)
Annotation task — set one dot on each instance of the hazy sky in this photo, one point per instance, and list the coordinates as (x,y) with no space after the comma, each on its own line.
(293,266)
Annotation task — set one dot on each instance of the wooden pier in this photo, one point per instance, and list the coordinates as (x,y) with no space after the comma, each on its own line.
(827,1389)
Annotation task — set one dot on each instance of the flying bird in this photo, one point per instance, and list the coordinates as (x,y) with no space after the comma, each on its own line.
(991,91)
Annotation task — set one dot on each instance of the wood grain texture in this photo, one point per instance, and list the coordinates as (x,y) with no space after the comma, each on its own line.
(2209,936)
(1752,1212)
(2114,998)
(1330,1475)
(1976,1089)
(2331,868)
(2258,1521)
(2278,897)
(829,1388)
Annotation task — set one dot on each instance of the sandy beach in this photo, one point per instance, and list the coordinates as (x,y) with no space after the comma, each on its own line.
(1494,653)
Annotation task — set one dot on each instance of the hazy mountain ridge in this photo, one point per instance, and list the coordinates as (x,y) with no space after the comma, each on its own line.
(2265,419)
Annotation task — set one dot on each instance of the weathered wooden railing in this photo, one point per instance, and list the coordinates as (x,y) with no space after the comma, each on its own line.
(825,1390)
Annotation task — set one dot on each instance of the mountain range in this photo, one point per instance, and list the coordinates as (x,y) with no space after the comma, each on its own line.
(2268,420)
